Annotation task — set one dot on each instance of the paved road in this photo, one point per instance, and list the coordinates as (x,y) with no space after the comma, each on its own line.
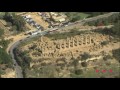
(18,68)
(81,22)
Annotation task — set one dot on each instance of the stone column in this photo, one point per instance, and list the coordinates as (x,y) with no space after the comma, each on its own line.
(90,39)
(41,38)
(85,40)
(60,45)
(73,42)
(77,41)
(81,40)
(64,44)
(68,43)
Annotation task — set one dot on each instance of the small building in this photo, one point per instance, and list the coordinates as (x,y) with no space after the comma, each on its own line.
(58,17)
(53,13)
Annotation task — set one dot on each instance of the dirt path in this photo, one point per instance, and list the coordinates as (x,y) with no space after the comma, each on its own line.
(107,48)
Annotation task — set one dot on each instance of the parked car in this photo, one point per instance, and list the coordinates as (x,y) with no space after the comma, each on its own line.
(14,64)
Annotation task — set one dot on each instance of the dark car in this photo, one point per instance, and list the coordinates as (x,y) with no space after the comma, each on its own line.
(14,64)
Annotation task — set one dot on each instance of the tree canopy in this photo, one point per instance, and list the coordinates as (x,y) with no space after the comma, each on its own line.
(85,56)
(16,20)
(116,28)
(4,57)
(116,54)
(4,43)
(1,32)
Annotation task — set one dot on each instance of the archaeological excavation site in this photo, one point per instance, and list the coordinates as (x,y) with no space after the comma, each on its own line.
(71,56)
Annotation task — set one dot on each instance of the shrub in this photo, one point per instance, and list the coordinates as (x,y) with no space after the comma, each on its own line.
(1,32)
(79,71)
(105,58)
(104,43)
(85,56)
(108,63)
(84,64)
(4,57)
(116,54)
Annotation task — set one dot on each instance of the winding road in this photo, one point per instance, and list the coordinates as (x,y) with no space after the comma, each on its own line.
(16,66)
(11,52)
(15,44)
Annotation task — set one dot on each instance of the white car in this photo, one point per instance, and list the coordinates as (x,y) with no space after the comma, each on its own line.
(66,25)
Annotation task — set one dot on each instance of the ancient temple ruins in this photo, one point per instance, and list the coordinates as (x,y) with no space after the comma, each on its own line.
(68,47)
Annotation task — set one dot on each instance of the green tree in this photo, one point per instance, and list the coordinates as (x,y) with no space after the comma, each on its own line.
(75,18)
(4,43)
(1,32)
(16,20)
(78,71)
(116,28)
(4,57)
(19,22)
(75,62)
(8,17)
(116,54)
(14,28)
(84,64)
(85,56)
(104,43)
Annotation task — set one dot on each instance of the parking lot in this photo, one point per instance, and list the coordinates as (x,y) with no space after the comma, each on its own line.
(41,21)
(35,21)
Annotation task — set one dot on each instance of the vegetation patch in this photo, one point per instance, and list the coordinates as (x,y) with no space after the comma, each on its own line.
(72,33)
(75,16)
(22,59)
(116,54)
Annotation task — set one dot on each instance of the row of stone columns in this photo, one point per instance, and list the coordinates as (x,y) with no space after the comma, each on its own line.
(71,43)
(83,40)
